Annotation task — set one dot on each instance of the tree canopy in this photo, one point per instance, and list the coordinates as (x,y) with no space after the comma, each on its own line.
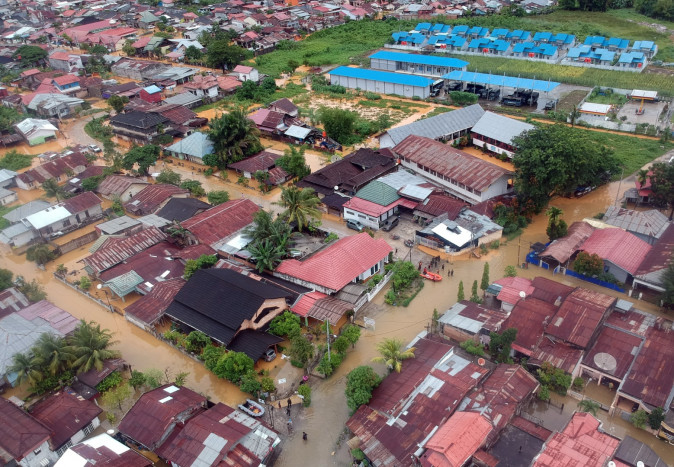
(144,156)
(300,205)
(360,382)
(393,353)
(234,137)
(662,184)
(555,160)
(294,162)
(5,279)
(338,123)
(30,54)
(218,197)
(221,54)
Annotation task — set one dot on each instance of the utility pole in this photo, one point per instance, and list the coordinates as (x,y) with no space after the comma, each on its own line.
(327,331)
(622,171)
(519,244)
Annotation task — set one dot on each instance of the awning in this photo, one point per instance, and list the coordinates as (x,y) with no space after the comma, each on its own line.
(253,343)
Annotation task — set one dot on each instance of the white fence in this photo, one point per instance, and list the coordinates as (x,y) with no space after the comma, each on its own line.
(373,293)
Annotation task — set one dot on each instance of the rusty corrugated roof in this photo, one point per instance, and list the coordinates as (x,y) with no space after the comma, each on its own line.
(115,250)
(219,222)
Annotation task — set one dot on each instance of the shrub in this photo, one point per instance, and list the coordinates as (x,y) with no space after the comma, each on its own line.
(196,341)
(85,283)
(360,382)
(544,393)
(331,237)
(173,336)
(137,379)
(639,418)
(510,271)
(249,383)
(211,355)
(268,384)
(305,391)
(110,381)
(327,366)
(578,383)
(473,347)
(588,264)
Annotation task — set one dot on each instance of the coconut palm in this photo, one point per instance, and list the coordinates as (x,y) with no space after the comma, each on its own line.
(393,354)
(26,368)
(300,204)
(53,190)
(52,353)
(91,346)
(234,136)
(267,254)
(553,214)
(642,177)
(588,406)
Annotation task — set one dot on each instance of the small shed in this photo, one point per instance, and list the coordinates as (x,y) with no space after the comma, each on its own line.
(151,94)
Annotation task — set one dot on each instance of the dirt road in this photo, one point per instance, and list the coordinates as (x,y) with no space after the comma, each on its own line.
(75,133)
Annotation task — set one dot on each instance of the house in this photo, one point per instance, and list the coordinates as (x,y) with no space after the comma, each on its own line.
(193,148)
(647,225)
(463,175)
(123,225)
(222,227)
(36,131)
(246,73)
(203,86)
(158,412)
(316,308)
(467,320)
(496,133)
(285,106)
(67,84)
(112,251)
(467,230)
(66,216)
(150,94)
(137,69)
(582,442)
(269,121)
(60,60)
(220,436)
(351,172)
(438,204)
(23,440)
(69,418)
(12,300)
(447,127)
(7,196)
(53,105)
(651,271)
(121,186)
(7,178)
(59,167)
(149,309)
(456,440)
(25,210)
(74,185)
(102,450)
(621,251)
(153,197)
(181,209)
(264,161)
(140,127)
(532,50)
(348,260)
(648,48)
(230,308)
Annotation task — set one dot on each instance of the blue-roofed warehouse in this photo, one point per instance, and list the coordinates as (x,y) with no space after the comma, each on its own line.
(501,81)
(415,63)
(382,82)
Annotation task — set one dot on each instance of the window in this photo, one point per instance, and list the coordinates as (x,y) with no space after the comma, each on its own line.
(86,213)
(37,451)
(362,216)
(88,429)
(350,212)
(66,223)
(65,447)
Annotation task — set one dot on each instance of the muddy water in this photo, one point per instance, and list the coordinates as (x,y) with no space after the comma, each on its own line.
(56,145)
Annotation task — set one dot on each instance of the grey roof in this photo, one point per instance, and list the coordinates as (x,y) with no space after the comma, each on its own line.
(500,128)
(651,223)
(124,284)
(4,192)
(196,145)
(297,132)
(632,451)
(453,318)
(153,220)
(12,231)
(184,98)
(440,125)
(26,210)
(402,178)
(6,174)
(117,225)
(176,73)
(49,101)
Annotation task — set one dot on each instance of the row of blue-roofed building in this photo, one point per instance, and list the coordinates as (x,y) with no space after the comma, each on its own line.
(596,51)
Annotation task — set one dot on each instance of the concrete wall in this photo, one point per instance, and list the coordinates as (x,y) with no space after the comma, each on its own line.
(368,221)
(380,87)
(492,148)
(619,273)
(278,303)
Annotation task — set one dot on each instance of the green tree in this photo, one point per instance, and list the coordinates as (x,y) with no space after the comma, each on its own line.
(14,161)
(234,137)
(266,227)
(30,55)
(557,228)
(656,417)
(460,295)
(117,396)
(233,366)
(484,283)
(194,186)
(338,123)
(589,406)
(202,262)
(554,378)
(91,183)
(41,254)
(393,354)
(662,184)
(99,49)
(91,346)
(300,205)
(85,283)
(169,176)
(555,159)
(180,378)
(27,369)
(117,103)
(305,391)
(544,393)
(145,156)
(196,341)
(6,279)
(193,54)
(294,162)
(639,418)
(266,254)
(341,345)
(352,333)
(588,264)
(218,197)
(360,382)
(8,117)
(667,296)
(137,379)
(301,350)
(500,344)
(510,271)
(154,377)
(472,347)
(474,297)
(211,355)
(33,290)
(128,49)
(249,383)
(285,324)
(53,190)
(221,54)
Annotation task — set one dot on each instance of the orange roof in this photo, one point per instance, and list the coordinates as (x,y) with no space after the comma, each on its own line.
(305,303)
(66,79)
(457,440)
(579,445)
(59,55)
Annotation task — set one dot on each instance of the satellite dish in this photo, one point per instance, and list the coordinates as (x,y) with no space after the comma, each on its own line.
(111,432)
(481,361)
(336,187)
(605,362)
(611,464)
(523,294)
(641,464)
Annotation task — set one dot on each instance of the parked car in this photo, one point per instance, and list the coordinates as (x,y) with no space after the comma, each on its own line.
(269,355)
(94,148)
(390,223)
(354,225)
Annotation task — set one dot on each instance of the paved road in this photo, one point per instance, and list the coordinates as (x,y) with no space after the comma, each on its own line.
(75,133)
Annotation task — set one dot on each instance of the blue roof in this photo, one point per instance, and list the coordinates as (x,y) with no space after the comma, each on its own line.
(542,36)
(563,38)
(498,80)
(437,27)
(479,43)
(423,27)
(631,57)
(618,42)
(595,40)
(489,43)
(518,34)
(530,47)
(417,38)
(643,45)
(420,59)
(478,31)
(499,32)
(153,89)
(456,41)
(383,76)
(461,28)
(446,29)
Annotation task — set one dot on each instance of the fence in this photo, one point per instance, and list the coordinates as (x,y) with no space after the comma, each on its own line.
(594,280)
(110,308)
(76,243)
(569,62)
(373,293)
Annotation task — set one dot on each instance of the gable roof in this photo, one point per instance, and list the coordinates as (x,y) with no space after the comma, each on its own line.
(579,315)
(180,209)
(147,200)
(218,301)
(117,184)
(102,450)
(115,250)
(658,258)
(216,224)
(339,263)
(149,308)
(379,193)
(137,119)
(20,433)
(449,162)
(500,128)
(563,248)
(196,145)
(81,202)
(457,440)
(623,249)
(65,414)
(261,161)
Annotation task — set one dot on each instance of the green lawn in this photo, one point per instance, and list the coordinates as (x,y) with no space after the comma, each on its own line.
(4,223)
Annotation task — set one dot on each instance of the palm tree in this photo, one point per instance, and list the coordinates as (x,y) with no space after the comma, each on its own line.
(300,204)
(91,346)
(588,406)
(553,214)
(642,177)
(267,254)
(392,354)
(26,369)
(52,353)
(574,115)
(234,136)
(53,190)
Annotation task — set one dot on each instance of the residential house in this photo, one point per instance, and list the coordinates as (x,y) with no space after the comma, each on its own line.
(120,186)
(647,225)
(285,106)
(447,127)
(102,450)
(351,172)
(153,197)
(15,215)
(269,122)
(351,259)
(651,271)
(23,440)
(7,178)
(223,227)
(457,440)
(158,412)
(467,320)
(7,196)
(74,185)
(496,133)
(246,73)
(467,230)
(648,48)
(58,167)
(66,216)
(192,148)
(632,60)
(228,436)
(137,69)
(463,175)
(149,309)
(69,418)
(181,209)
(264,161)
(12,300)
(230,308)
(438,204)
(36,131)
(123,225)
(203,87)
(67,84)
(532,50)
(54,105)
(140,127)
(64,61)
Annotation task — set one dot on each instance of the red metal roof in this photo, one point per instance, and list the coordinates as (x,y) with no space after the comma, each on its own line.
(537,431)
(65,414)
(58,55)
(117,184)
(512,287)
(81,202)
(559,354)
(549,291)
(20,433)
(579,315)
(527,317)
(580,444)
(441,204)
(625,250)
(11,300)
(305,303)
(219,222)
(151,307)
(618,344)
(58,319)
(660,255)
(148,200)
(338,263)
(115,250)
(103,456)
(264,160)
(456,441)
(155,414)
(66,79)
(450,162)
(368,207)
(563,248)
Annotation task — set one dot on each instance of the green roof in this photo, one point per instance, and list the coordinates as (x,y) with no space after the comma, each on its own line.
(124,284)
(153,44)
(379,193)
